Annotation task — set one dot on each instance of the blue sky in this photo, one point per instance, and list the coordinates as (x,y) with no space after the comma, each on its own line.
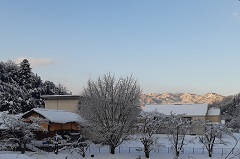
(169,46)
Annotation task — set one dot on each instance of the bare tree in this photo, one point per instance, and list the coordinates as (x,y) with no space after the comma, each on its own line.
(80,147)
(111,106)
(237,155)
(178,127)
(212,135)
(149,123)
(18,132)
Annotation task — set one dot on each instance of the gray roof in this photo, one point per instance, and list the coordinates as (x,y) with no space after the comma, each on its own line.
(60,97)
(213,111)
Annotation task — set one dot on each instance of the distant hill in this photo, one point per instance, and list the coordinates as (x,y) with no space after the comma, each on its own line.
(169,98)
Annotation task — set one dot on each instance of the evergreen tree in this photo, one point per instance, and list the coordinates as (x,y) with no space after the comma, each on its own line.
(230,110)
(61,90)
(25,74)
(49,88)
(12,71)
(20,88)
(3,72)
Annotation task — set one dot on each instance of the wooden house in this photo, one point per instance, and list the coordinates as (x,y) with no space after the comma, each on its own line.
(57,121)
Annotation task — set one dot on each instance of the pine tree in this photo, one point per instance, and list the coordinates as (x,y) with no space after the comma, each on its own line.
(20,88)
(49,88)
(25,74)
(12,72)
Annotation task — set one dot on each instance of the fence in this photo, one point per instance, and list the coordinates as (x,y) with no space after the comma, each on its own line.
(186,150)
(126,149)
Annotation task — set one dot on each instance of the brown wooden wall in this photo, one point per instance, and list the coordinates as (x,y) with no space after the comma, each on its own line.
(53,128)
(214,118)
(66,126)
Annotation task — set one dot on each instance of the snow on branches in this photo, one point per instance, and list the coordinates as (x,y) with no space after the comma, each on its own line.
(212,135)
(19,132)
(111,106)
(149,123)
(178,126)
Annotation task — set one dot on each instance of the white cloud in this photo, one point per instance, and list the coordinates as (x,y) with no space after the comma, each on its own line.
(36,62)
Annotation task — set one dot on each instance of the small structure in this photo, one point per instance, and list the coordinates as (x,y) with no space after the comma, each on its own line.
(191,112)
(61,102)
(58,121)
(214,115)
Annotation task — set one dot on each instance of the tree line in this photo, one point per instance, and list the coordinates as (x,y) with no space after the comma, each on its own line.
(230,110)
(20,88)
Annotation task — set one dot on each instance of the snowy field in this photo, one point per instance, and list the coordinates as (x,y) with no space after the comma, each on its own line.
(128,150)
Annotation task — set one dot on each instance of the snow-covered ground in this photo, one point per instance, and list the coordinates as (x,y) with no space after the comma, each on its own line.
(128,150)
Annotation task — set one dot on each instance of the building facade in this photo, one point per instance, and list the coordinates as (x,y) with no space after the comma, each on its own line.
(61,102)
(192,112)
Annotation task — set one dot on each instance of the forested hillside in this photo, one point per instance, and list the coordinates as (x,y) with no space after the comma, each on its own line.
(20,88)
(230,110)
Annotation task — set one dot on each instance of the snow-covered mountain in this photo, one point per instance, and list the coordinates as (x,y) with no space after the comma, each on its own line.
(167,98)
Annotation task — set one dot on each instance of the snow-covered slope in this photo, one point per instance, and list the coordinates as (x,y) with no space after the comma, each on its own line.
(169,98)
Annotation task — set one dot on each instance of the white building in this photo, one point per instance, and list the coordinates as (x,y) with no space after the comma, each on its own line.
(190,111)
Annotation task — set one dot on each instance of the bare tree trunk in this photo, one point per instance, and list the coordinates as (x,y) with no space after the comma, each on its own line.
(177,153)
(83,155)
(22,147)
(22,150)
(112,149)
(56,148)
(176,143)
(209,153)
(146,151)
(210,150)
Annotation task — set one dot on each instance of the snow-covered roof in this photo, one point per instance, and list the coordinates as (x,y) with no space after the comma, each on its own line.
(213,111)
(188,109)
(57,116)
